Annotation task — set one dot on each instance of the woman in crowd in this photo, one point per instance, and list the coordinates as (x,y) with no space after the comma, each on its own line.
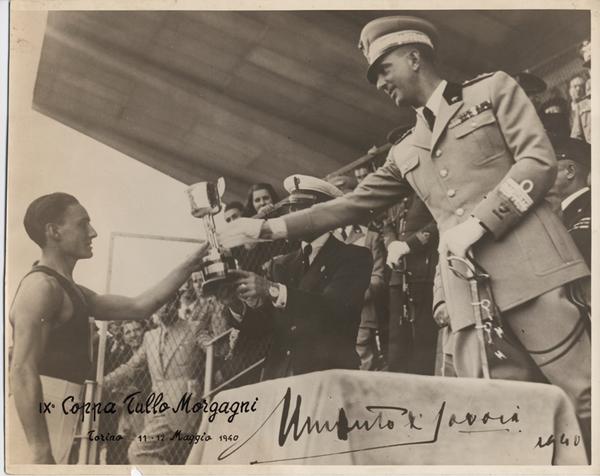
(261,198)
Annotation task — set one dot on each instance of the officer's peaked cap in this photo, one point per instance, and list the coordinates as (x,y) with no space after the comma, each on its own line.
(382,35)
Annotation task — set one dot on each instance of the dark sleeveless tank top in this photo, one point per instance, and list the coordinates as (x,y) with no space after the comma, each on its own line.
(67,355)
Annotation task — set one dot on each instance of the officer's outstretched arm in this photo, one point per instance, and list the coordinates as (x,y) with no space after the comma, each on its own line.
(382,188)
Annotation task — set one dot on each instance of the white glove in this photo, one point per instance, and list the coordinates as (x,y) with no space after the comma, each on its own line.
(240,232)
(395,252)
(459,239)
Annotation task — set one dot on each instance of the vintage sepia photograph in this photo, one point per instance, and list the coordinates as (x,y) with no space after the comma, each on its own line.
(275,235)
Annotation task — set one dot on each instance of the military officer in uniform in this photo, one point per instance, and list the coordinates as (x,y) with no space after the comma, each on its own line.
(574,161)
(411,235)
(481,161)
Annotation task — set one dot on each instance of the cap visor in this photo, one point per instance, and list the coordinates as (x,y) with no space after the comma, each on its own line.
(372,71)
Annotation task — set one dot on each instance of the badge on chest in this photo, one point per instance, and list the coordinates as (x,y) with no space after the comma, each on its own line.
(470,113)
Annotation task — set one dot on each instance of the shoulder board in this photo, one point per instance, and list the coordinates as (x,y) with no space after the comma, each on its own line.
(476,79)
(404,136)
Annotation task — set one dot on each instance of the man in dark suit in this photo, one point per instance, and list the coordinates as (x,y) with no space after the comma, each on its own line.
(369,341)
(481,161)
(574,163)
(310,300)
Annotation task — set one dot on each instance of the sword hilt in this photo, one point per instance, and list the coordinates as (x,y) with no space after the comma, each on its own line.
(473,271)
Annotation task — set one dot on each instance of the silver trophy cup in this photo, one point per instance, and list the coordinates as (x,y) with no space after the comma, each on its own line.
(205,202)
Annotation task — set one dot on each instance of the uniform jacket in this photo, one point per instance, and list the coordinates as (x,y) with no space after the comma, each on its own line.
(370,239)
(175,367)
(487,137)
(411,222)
(318,327)
(577,217)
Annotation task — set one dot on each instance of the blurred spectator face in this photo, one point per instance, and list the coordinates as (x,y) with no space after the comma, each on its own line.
(133,333)
(197,283)
(187,291)
(360,173)
(232,214)
(564,172)
(261,198)
(168,313)
(576,88)
(588,87)
(114,328)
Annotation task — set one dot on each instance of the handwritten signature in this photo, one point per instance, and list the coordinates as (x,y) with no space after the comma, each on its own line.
(292,425)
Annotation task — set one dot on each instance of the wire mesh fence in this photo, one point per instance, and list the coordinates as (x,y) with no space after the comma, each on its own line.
(188,347)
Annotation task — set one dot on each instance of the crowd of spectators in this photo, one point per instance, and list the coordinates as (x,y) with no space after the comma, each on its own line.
(392,336)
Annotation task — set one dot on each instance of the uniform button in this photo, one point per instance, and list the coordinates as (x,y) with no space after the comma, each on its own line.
(460,212)
(451,193)
(293,328)
(288,352)
(444,172)
(438,152)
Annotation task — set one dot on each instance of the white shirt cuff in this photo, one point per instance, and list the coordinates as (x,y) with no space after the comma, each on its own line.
(281,301)
(278,228)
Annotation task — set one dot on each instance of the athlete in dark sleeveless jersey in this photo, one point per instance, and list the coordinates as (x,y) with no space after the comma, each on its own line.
(50,315)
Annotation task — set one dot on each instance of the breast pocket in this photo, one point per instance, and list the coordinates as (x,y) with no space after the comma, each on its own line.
(412,170)
(480,134)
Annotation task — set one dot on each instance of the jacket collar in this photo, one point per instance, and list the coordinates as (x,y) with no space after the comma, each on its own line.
(574,198)
(449,106)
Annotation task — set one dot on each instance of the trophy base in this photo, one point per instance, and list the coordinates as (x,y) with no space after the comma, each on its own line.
(215,273)
(210,287)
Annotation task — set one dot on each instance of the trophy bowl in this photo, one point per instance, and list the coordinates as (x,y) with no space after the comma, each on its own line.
(205,203)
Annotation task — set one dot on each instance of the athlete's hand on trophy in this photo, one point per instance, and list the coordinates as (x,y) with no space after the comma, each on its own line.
(458,240)
(395,252)
(240,232)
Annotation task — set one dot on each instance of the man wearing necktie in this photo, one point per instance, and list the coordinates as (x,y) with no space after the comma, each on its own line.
(310,300)
(368,347)
(483,168)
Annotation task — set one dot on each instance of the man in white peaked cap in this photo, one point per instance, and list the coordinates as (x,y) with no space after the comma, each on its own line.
(310,300)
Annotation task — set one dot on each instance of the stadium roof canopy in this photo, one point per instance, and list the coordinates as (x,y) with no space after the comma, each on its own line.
(256,96)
